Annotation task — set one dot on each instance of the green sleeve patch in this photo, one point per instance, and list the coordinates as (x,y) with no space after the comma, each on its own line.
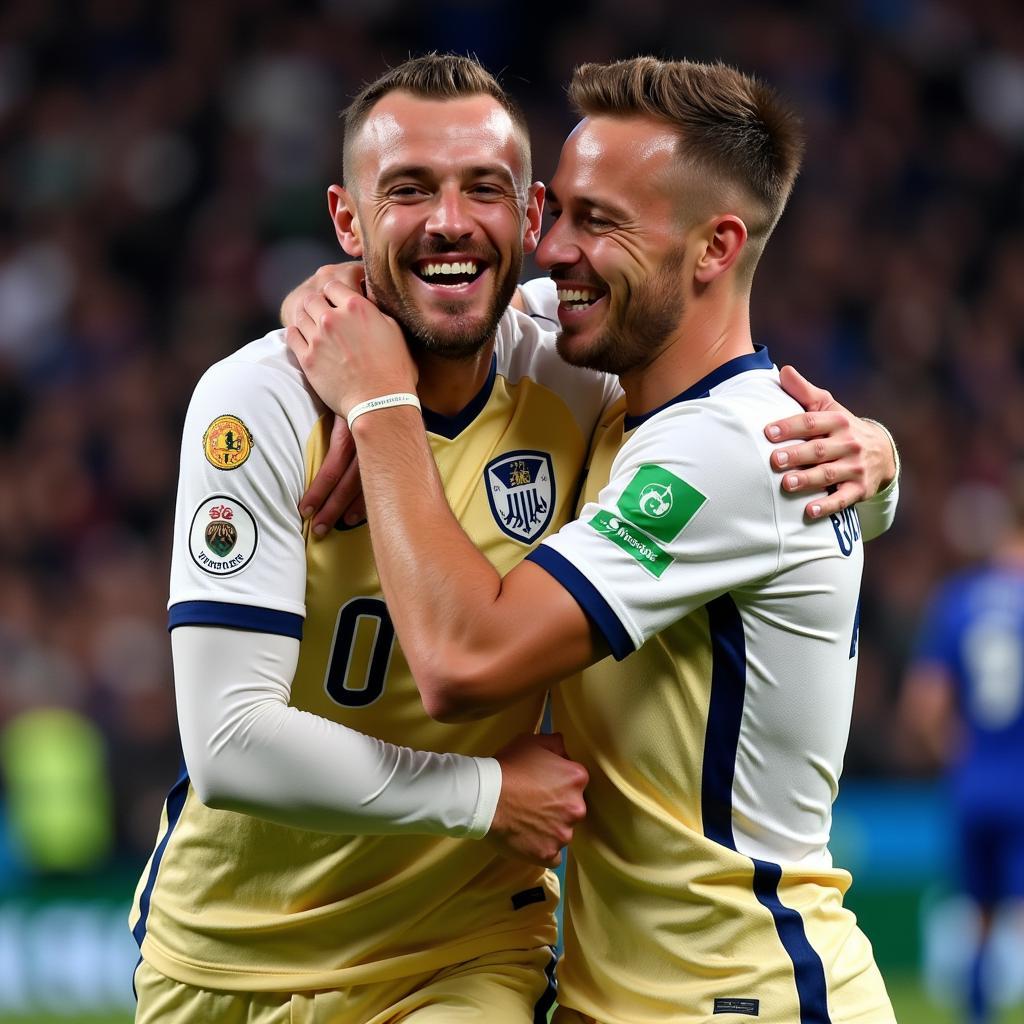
(633,542)
(659,502)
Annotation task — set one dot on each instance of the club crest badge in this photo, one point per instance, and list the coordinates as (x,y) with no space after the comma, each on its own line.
(227,442)
(521,490)
(223,537)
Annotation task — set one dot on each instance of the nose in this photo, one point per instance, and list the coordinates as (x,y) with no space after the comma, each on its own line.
(450,217)
(556,247)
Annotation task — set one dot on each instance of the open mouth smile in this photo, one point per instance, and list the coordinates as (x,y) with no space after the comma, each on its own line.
(449,272)
(578,298)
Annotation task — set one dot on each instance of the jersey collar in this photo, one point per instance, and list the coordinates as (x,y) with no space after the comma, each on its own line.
(452,426)
(756,360)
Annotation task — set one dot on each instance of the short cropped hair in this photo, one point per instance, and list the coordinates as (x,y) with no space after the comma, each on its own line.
(733,129)
(434,76)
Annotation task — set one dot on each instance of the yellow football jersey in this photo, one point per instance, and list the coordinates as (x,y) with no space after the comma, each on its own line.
(700,886)
(229,901)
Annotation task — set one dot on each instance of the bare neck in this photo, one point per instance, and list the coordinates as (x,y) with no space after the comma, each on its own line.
(701,344)
(447,386)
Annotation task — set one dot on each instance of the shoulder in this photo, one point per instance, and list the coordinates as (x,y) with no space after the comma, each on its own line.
(726,423)
(264,378)
(525,351)
(541,298)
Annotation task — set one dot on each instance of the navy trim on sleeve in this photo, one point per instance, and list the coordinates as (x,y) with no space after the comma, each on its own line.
(588,597)
(234,616)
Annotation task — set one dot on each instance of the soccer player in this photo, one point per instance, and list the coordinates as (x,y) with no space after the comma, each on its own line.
(700,883)
(963,701)
(310,865)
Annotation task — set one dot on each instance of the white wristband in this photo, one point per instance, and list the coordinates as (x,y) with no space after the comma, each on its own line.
(384,402)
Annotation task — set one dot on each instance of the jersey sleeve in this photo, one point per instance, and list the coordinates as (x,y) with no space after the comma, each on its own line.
(238,556)
(687,515)
(541,298)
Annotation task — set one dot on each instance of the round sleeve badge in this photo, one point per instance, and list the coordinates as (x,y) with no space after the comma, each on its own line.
(223,536)
(227,442)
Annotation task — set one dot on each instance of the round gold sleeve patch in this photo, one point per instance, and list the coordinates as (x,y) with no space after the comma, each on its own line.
(227,442)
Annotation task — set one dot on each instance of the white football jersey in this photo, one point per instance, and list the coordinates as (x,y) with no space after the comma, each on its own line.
(701,880)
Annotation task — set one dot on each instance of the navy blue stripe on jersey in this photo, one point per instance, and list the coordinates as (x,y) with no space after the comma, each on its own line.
(725,715)
(588,597)
(756,360)
(808,972)
(175,803)
(235,616)
(555,324)
(547,999)
(452,426)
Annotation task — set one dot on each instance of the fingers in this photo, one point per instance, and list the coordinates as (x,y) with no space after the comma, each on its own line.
(843,497)
(846,473)
(811,397)
(552,741)
(356,512)
(349,279)
(826,449)
(296,343)
(340,454)
(808,424)
(337,502)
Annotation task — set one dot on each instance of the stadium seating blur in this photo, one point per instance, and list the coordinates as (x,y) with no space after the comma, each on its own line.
(163,172)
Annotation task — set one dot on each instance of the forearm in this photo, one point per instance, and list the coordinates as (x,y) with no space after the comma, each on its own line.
(247,750)
(440,590)
(475,641)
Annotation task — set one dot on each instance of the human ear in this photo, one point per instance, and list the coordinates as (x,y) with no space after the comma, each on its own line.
(346,220)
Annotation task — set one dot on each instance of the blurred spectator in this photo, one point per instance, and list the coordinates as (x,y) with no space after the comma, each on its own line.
(963,706)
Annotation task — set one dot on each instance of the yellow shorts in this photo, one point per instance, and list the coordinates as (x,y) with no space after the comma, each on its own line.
(510,987)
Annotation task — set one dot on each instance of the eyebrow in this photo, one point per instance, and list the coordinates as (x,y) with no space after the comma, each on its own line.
(417,171)
(421,172)
(616,212)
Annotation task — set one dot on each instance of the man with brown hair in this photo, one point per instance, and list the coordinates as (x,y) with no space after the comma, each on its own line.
(701,882)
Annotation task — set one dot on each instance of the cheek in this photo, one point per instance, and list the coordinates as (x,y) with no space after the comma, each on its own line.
(505,225)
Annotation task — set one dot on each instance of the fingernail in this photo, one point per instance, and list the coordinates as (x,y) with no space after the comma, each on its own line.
(791,481)
(306,512)
(815,511)
(782,458)
(320,529)
(774,431)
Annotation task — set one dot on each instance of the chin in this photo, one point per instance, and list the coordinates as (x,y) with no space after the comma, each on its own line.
(575,348)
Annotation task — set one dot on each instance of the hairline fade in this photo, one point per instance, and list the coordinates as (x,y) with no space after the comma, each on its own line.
(733,130)
(433,76)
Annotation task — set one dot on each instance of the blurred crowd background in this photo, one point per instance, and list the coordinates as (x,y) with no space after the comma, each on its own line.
(163,169)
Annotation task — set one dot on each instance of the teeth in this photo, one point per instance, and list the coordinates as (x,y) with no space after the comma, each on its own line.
(584,295)
(433,269)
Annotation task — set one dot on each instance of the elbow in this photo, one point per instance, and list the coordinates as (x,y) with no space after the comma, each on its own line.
(456,688)
(214,783)
(209,786)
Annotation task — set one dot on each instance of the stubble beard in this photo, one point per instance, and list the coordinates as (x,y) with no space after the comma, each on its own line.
(634,334)
(458,336)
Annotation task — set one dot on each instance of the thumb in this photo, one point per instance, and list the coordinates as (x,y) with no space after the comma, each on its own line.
(797,386)
(552,741)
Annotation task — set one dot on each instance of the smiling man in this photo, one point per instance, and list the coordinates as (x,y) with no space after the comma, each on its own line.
(700,883)
(314,861)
